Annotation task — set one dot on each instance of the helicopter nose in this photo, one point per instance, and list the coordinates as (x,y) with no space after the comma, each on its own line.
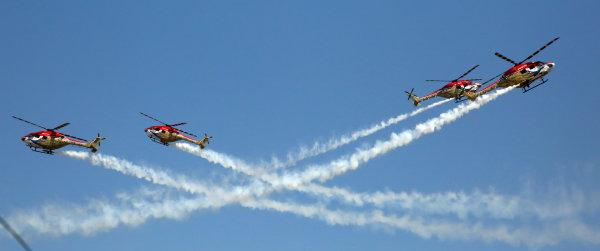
(550,64)
(23,138)
(149,132)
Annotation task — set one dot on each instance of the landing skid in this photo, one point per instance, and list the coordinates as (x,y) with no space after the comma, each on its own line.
(159,142)
(459,99)
(38,150)
(527,88)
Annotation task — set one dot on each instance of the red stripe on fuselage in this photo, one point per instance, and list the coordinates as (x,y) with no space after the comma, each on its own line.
(53,134)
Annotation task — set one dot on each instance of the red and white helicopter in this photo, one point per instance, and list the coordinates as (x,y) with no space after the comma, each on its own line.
(49,139)
(167,133)
(455,89)
(522,74)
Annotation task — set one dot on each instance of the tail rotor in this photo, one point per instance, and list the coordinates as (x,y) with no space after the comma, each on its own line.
(205,141)
(414,98)
(410,94)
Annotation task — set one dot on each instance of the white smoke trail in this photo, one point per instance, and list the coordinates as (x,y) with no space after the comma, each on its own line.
(180,182)
(218,197)
(476,204)
(133,210)
(347,163)
(344,164)
(222,159)
(100,215)
(461,204)
(549,234)
(304,152)
(569,203)
(322,147)
(213,197)
(300,181)
(141,172)
(240,195)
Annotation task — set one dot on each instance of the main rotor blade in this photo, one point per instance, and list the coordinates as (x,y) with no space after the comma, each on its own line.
(60,126)
(71,136)
(465,74)
(505,58)
(31,123)
(191,134)
(153,118)
(540,49)
(437,80)
(482,84)
(14,234)
(410,94)
(178,124)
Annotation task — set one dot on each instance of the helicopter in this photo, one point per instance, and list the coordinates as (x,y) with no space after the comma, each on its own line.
(50,139)
(168,133)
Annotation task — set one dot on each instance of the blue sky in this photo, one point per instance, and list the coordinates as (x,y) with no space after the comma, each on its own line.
(265,77)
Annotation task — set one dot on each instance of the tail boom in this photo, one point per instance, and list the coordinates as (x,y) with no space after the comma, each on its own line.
(200,142)
(473,95)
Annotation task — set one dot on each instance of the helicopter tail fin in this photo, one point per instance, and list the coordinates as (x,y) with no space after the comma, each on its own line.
(205,141)
(416,100)
(95,144)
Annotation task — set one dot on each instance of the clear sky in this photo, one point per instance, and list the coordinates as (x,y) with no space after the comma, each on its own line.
(264,77)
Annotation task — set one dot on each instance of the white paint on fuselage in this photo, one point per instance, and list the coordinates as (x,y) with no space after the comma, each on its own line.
(526,76)
(32,142)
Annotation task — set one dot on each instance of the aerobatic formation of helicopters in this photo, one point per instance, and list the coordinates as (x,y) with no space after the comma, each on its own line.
(49,139)
(522,75)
